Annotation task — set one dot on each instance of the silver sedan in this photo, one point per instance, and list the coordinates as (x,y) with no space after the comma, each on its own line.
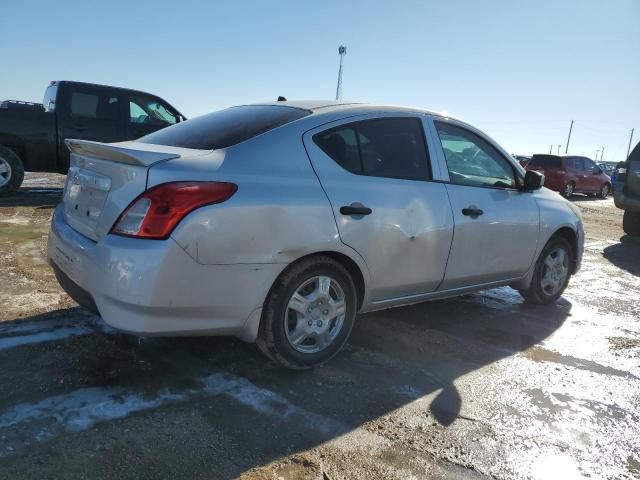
(277,223)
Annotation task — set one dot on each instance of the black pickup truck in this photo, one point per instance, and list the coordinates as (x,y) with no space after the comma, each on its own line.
(32,135)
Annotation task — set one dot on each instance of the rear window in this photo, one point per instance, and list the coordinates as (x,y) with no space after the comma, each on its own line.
(225,128)
(545,161)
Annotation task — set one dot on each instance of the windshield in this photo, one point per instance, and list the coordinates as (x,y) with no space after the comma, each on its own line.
(226,127)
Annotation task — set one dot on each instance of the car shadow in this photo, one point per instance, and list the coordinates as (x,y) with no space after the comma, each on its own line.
(38,197)
(625,255)
(393,358)
(577,197)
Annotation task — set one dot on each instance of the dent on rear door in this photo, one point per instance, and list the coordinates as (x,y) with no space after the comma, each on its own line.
(405,241)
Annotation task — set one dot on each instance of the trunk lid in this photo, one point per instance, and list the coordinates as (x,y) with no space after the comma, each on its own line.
(104,179)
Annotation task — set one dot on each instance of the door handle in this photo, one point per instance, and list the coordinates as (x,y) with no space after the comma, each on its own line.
(472,211)
(355,208)
(79,128)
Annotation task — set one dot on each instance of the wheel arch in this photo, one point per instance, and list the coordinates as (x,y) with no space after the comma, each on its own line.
(352,267)
(571,236)
(16,144)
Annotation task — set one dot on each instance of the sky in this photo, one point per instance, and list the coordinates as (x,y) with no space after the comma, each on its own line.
(519,70)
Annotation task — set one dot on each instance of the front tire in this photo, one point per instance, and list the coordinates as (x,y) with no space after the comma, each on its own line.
(552,273)
(11,171)
(631,223)
(308,314)
(604,191)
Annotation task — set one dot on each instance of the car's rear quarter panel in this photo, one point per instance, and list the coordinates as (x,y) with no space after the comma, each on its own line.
(278,215)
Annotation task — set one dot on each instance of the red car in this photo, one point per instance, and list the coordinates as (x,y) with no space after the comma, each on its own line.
(569,174)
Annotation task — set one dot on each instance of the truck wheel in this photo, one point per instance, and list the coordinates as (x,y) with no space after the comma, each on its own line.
(309,313)
(631,223)
(11,171)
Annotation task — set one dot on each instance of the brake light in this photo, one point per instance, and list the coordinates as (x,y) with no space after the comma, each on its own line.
(156,212)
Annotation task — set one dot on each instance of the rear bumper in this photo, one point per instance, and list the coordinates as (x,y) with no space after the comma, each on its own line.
(75,291)
(153,287)
(625,202)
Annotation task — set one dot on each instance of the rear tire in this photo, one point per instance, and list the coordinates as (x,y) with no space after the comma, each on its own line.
(313,332)
(568,190)
(631,223)
(543,288)
(11,171)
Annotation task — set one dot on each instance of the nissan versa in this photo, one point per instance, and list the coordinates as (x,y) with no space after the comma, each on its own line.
(277,223)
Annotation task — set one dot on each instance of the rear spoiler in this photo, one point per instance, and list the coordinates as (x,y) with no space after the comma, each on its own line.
(119,154)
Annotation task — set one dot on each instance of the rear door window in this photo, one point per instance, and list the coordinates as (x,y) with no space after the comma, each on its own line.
(225,128)
(382,147)
(93,105)
(573,163)
(589,165)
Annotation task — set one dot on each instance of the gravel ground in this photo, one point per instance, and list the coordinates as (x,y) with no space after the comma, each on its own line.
(481,386)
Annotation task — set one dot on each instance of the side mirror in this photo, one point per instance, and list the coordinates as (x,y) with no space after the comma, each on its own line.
(533,181)
(597,171)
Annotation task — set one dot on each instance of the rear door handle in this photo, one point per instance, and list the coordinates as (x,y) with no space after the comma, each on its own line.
(472,211)
(355,208)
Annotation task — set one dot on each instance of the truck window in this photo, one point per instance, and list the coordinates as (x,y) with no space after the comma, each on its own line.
(89,105)
(148,110)
(49,102)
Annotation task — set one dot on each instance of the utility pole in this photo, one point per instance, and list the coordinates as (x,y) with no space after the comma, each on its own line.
(550,149)
(601,153)
(342,51)
(597,154)
(630,139)
(559,148)
(568,138)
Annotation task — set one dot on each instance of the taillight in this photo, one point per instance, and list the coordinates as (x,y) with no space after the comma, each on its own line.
(156,212)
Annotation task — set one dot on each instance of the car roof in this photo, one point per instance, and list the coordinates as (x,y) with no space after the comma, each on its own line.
(333,106)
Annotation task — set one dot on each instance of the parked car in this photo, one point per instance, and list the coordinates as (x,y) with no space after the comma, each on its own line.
(627,196)
(614,176)
(32,135)
(569,174)
(607,167)
(276,223)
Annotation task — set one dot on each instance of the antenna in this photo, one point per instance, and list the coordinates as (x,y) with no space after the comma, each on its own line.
(342,51)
